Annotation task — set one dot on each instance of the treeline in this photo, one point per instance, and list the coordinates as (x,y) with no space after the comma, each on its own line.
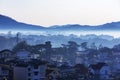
(68,51)
(8,41)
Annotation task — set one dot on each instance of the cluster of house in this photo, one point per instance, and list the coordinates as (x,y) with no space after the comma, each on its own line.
(25,66)
(111,58)
(21,66)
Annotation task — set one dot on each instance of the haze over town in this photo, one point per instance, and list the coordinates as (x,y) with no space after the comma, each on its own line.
(59,39)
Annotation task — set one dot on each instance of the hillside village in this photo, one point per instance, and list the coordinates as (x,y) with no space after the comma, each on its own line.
(59,39)
(70,62)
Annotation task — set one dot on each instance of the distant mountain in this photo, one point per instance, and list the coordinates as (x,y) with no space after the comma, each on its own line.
(7,23)
(107,26)
(11,24)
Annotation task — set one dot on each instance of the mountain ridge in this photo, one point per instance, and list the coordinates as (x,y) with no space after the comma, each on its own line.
(11,24)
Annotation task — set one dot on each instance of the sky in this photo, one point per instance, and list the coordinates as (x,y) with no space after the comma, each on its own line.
(60,12)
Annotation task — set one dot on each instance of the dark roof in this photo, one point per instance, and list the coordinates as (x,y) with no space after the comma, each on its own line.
(37,62)
(48,72)
(52,66)
(34,62)
(65,66)
(6,50)
(5,67)
(82,68)
(97,66)
(79,66)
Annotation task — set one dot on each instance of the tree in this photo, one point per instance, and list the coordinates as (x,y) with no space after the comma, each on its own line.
(72,49)
(116,47)
(72,46)
(21,45)
(84,45)
(93,46)
(100,46)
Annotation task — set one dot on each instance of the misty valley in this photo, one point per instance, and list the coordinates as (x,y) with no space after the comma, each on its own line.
(81,56)
(59,52)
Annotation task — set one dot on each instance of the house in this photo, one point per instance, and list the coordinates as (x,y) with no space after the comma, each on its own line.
(80,68)
(34,56)
(7,55)
(81,71)
(100,70)
(105,72)
(32,70)
(66,72)
(52,72)
(55,72)
(116,65)
(23,55)
(115,60)
(116,53)
(79,60)
(79,57)
(58,58)
(66,67)
(5,72)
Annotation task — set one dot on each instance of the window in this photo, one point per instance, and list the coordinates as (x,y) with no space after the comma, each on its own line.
(35,67)
(29,69)
(29,74)
(106,72)
(36,73)
(29,79)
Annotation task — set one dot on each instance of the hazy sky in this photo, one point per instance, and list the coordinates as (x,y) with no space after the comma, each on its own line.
(60,12)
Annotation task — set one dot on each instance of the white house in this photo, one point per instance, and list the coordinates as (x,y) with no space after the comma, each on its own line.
(34,70)
(105,72)
(23,55)
(79,60)
(7,55)
(57,58)
(34,56)
(79,57)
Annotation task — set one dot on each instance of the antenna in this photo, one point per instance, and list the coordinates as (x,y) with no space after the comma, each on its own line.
(17,37)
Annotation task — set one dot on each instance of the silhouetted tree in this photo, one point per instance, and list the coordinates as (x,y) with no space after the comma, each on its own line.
(93,46)
(116,47)
(21,45)
(72,48)
(100,46)
(84,45)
